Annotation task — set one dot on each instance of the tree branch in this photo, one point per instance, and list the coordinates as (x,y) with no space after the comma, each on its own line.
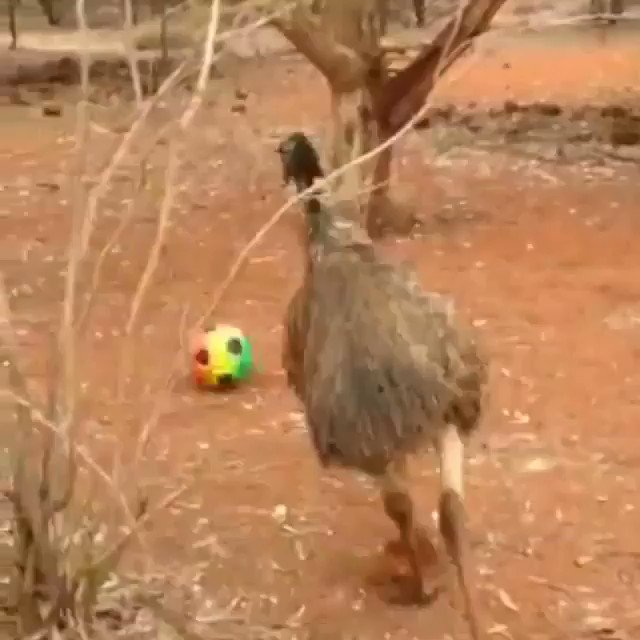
(343,67)
(404,94)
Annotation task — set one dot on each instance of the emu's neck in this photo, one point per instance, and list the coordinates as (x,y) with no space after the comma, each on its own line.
(318,218)
(331,228)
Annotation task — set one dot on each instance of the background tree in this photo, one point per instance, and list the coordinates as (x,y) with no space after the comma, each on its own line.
(47,7)
(369,102)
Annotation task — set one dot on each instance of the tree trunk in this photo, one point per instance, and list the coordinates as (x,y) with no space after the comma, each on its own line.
(357,25)
(348,140)
(13,30)
(47,9)
(379,208)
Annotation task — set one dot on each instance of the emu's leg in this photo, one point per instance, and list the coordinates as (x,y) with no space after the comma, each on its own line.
(399,507)
(452,515)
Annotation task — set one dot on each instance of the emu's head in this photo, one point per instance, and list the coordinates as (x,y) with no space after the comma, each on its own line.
(300,161)
(328,223)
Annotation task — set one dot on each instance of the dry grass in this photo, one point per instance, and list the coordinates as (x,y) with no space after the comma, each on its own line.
(64,559)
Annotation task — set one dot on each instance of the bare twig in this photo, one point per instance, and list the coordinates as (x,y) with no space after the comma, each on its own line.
(67,338)
(37,417)
(172,170)
(151,264)
(99,190)
(205,69)
(124,223)
(448,56)
(111,556)
(121,153)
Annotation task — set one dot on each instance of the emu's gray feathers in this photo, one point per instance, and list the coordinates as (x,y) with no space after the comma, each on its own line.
(383,365)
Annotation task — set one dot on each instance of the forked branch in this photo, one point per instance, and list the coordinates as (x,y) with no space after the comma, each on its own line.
(404,94)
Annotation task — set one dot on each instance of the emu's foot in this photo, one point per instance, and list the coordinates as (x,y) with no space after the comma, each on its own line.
(394,585)
(402,586)
(407,591)
(427,553)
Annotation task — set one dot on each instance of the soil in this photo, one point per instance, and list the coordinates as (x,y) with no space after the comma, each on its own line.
(541,255)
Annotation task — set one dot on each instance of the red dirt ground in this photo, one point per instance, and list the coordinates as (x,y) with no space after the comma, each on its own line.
(544,262)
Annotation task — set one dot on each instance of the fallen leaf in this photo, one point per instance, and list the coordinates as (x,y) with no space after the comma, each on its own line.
(582,561)
(507,601)
(538,464)
(499,630)
(279,513)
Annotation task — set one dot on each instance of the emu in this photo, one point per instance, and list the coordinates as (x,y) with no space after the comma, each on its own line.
(382,369)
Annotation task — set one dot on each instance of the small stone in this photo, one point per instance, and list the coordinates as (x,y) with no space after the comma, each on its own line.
(51,110)
(582,561)
(279,513)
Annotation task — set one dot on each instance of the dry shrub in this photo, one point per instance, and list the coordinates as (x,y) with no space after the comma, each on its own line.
(61,559)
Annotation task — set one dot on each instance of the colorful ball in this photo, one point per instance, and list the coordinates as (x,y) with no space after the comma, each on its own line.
(221,357)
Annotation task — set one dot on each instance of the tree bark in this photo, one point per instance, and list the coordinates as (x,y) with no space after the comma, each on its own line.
(379,207)
(343,67)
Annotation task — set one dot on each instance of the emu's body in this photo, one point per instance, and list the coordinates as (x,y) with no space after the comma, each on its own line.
(377,363)
(380,366)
